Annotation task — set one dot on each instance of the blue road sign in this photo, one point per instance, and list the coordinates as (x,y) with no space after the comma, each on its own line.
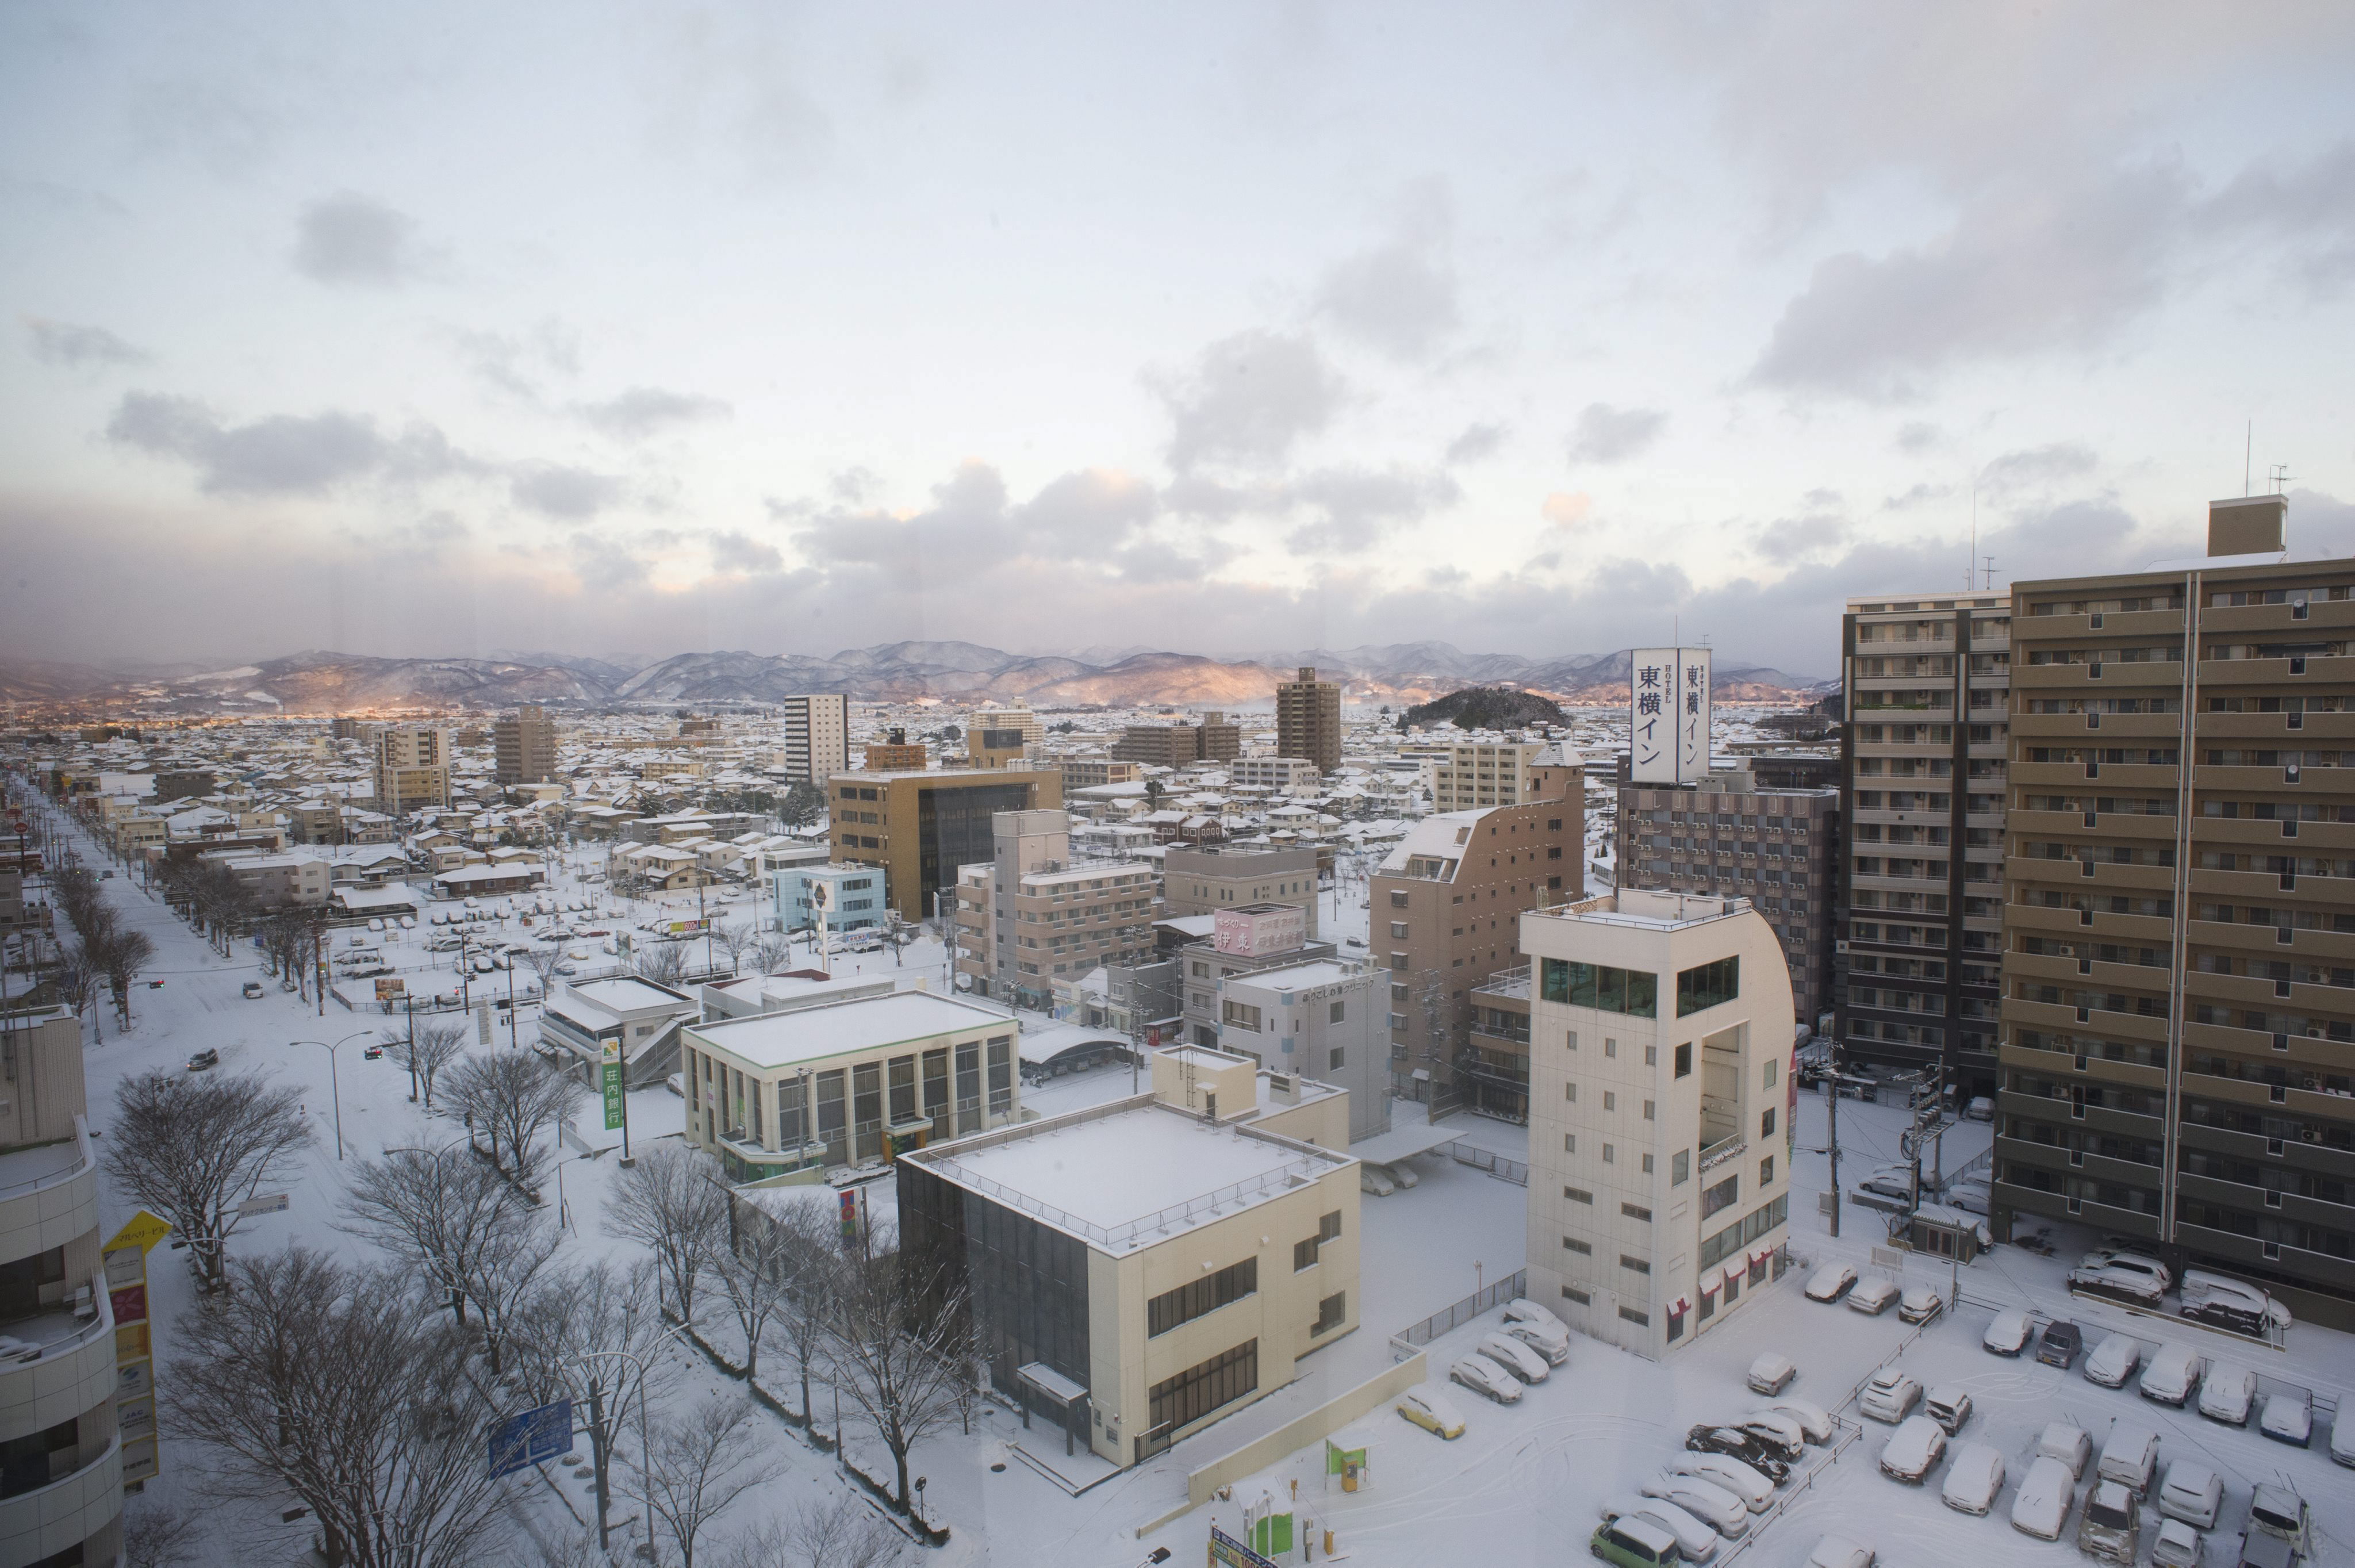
(534,1437)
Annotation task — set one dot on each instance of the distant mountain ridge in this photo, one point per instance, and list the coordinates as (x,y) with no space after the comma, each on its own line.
(1398,674)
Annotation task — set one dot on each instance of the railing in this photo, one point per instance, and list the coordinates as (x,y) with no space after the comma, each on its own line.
(1490,1163)
(1722,1151)
(100,1325)
(1462,1312)
(32,1184)
(1282,1178)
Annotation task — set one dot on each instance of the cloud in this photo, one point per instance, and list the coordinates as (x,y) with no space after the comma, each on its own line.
(741,554)
(352,239)
(1609,435)
(1092,509)
(643,411)
(2037,468)
(2312,206)
(1918,435)
(855,486)
(78,348)
(1477,441)
(1397,298)
(1786,539)
(1568,509)
(559,491)
(1247,400)
(1352,508)
(284,455)
(515,362)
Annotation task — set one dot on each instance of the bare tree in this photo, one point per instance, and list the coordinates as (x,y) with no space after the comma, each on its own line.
(344,1388)
(514,1096)
(901,1341)
(425,1049)
(192,1148)
(844,1534)
(755,1270)
(501,1278)
(125,954)
(590,1334)
(459,1224)
(158,1535)
(664,963)
(735,940)
(806,1239)
(78,979)
(773,953)
(696,1464)
(669,1201)
(542,961)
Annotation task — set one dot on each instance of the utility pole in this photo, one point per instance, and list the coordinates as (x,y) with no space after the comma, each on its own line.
(1831,1115)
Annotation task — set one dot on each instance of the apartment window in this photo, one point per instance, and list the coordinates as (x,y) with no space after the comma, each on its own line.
(1199,1297)
(1681,1168)
(1571,1293)
(1578,1195)
(1569,1143)
(1651,1058)
(1684,1060)
(1202,1388)
(1398,898)
(1630,991)
(1334,1016)
(1398,931)
(1570,1092)
(1771,1065)
(1573,1245)
(1610,1046)
(1574,1039)
(1636,1212)
(1708,985)
(1303,1254)
(1610,1155)
(1647,1110)
(1635,1264)
(1648,1165)
(1766,1123)
(1330,1312)
(1766,1171)
(1609,1100)
(1722,1196)
(1333,1063)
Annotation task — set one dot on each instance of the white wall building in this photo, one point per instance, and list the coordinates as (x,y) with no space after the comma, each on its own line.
(1660,1046)
(817,735)
(1326,1020)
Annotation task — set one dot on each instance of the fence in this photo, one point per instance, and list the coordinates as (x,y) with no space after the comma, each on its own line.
(1490,1162)
(1471,1307)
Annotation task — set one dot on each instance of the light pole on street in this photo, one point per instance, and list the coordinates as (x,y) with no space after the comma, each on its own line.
(335,1083)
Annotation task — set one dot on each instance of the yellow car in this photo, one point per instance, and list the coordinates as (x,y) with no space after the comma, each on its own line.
(1430,1410)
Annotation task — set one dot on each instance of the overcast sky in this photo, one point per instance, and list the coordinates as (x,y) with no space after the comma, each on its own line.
(422,329)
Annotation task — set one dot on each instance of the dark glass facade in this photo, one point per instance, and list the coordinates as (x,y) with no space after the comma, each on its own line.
(952,830)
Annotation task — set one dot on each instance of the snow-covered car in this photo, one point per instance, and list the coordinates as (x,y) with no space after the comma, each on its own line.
(1484,1376)
(2009,1333)
(1831,1282)
(1948,1404)
(1815,1421)
(1551,1340)
(2129,1455)
(2192,1493)
(1872,1296)
(253,991)
(1729,1474)
(2068,1443)
(1892,1182)
(1431,1410)
(1696,1541)
(2122,1276)
(1837,1550)
(1918,1304)
(2228,1393)
(2289,1417)
(1521,1309)
(1980,1109)
(2173,1373)
(2110,1528)
(1971,1196)
(1913,1449)
(2177,1546)
(1891,1396)
(1634,1542)
(1514,1357)
(2228,1302)
(1374,1182)
(1974,1477)
(2280,1513)
(2041,1507)
(1736,1444)
(1705,1500)
(204,1060)
(1771,1374)
(1778,1435)
(2342,1439)
(2114,1361)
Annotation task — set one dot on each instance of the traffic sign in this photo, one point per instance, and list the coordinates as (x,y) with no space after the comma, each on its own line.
(534,1437)
(267,1203)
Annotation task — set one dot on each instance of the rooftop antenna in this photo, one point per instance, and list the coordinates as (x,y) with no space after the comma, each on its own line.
(1989,586)
(2277,474)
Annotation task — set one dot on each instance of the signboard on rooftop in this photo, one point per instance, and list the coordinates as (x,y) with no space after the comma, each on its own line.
(1668,715)
(1262,929)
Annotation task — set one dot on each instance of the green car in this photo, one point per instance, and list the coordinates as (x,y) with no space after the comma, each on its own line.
(1633,1542)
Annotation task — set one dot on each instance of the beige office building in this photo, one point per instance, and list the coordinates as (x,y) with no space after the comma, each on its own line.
(1029,916)
(922,826)
(1468,777)
(1308,720)
(1204,879)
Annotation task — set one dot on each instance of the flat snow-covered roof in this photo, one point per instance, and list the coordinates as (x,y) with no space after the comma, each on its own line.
(864,1023)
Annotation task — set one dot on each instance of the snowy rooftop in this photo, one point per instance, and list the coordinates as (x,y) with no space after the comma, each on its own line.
(1131,1173)
(1297,977)
(1664,912)
(866,1023)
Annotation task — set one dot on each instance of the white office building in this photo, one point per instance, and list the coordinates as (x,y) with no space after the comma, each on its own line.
(1660,1104)
(816,735)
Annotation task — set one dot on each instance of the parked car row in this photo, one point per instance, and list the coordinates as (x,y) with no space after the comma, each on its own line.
(1523,1352)
(1729,1472)
(1838,1282)
(2119,1273)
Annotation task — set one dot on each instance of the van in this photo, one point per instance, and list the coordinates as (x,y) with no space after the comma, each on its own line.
(2129,1457)
(2230,1304)
(2110,1528)
(2281,1513)
(2067,1443)
(1634,1542)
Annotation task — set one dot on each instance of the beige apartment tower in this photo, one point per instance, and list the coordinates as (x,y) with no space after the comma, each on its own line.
(1308,720)
(2178,958)
(1029,915)
(413,769)
(816,734)
(524,744)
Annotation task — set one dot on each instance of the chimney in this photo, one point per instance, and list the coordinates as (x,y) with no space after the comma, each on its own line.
(2248,524)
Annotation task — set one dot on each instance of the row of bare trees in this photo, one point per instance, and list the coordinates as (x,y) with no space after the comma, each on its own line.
(106,956)
(219,906)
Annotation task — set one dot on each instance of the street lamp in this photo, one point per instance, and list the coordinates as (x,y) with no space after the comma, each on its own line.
(335,1081)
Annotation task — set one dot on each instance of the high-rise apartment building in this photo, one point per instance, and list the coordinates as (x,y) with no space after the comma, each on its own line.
(1728,836)
(1203,879)
(1660,1107)
(1030,915)
(70,1447)
(2178,967)
(413,768)
(1093,773)
(1308,720)
(1021,720)
(524,745)
(1922,782)
(1180,745)
(1445,918)
(922,827)
(816,734)
(1483,772)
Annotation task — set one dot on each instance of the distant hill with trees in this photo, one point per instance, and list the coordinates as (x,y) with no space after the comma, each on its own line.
(1484,707)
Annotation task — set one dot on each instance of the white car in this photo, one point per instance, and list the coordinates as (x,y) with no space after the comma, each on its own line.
(1545,1335)
(1917,1445)
(1521,1309)
(1373,1182)
(1894,1182)
(1514,1357)
(1705,1500)
(1891,1396)
(1948,1404)
(2289,1418)
(1837,1550)
(1482,1375)
(2041,1507)
(1971,1198)
(1815,1421)
(2114,1361)
(1917,1304)
(1780,1435)
(1431,1410)
(2009,1335)
(2177,1546)
(2228,1393)
(2066,1443)
(2342,1439)
(1974,1477)
(1771,1374)
(2192,1493)
(1725,1471)
(1873,1297)
(1831,1282)
(1696,1541)
(2173,1375)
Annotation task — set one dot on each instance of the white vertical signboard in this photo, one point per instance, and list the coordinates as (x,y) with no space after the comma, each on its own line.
(1692,714)
(1652,716)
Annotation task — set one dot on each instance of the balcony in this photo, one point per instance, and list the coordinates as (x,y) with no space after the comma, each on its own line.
(48,1194)
(77,1508)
